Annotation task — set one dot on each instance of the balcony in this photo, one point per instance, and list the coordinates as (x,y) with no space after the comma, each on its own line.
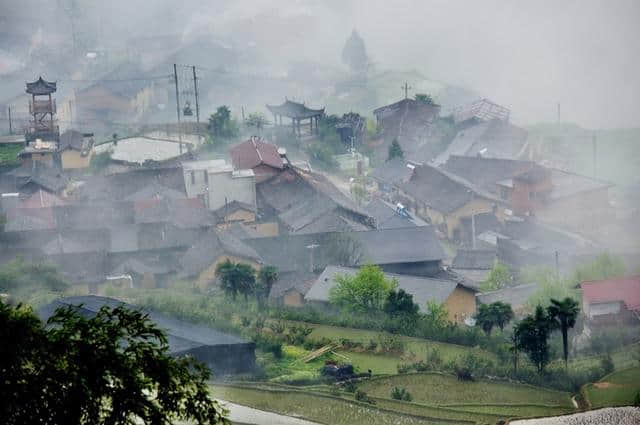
(42,107)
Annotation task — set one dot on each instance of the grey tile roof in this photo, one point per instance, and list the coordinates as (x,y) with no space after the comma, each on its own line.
(422,289)
(392,172)
(240,231)
(61,244)
(436,189)
(37,173)
(474,259)
(286,282)
(211,246)
(517,296)
(387,216)
(182,335)
(155,191)
(385,246)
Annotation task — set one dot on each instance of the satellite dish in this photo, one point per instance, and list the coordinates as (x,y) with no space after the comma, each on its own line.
(282,151)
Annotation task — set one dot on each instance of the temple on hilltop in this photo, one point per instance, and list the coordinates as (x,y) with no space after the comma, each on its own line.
(297,112)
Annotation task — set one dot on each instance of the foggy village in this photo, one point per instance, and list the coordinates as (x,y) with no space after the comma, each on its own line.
(303,212)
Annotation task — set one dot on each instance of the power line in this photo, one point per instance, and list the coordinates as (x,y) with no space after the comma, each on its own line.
(158,77)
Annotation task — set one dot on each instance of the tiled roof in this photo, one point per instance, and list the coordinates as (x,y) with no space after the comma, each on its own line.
(253,152)
(474,259)
(517,296)
(393,172)
(625,289)
(212,246)
(387,215)
(294,110)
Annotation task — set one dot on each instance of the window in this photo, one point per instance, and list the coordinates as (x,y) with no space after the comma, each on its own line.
(193,177)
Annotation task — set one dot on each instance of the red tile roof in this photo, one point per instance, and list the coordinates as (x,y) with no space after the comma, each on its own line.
(254,152)
(625,289)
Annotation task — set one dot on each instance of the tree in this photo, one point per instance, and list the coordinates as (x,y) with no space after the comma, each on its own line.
(354,53)
(424,98)
(267,276)
(485,318)
(603,266)
(400,303)
(114,368)
(436,315)
(221,124)
(18,275)
(502,314)
(236,278)
(498,277)
(363,292)
(533,334)
(395,150)
(563,314)
(256,120)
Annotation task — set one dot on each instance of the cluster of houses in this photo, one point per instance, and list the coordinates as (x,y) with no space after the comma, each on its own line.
(158,213)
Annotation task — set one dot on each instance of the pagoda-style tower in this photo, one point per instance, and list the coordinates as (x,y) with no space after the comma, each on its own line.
(43,109)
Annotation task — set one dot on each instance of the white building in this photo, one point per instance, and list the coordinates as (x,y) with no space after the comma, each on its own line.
(217,183)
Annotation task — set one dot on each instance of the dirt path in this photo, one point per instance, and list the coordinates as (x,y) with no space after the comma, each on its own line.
(248,415)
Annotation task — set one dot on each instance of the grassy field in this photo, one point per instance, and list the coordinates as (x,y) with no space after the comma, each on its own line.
(440,389)
(512,410)
(622,359)
(417,346)
(9,155)
(616,389)
(319,408)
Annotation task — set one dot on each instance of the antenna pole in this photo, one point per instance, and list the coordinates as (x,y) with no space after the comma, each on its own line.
(10,124)
(406,88)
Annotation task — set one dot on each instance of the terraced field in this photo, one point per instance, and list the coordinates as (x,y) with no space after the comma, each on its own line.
(616,389)
(445,390)
(321,408)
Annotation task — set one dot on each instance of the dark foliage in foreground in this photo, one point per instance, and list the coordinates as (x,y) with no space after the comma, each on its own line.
(113,368)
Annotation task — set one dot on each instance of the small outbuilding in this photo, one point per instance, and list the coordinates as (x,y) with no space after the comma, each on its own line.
(224,354)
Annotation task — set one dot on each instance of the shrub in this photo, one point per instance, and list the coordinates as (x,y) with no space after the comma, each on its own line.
(350,387)
(606,363)
(399,393)
(363,397)
(636,400)
(297,334)
(464,374)
(277,327)
(245,321)
(434,359)
(269,344)
(372,345)
(404,368)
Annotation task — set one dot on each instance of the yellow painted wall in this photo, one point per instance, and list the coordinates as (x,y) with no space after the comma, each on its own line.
(452,220)
(45,158)
(72,159)
(293,298)
(242,215)
(266,229)
(461,304)
(208,275)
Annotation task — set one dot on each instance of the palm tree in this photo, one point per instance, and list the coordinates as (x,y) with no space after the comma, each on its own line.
(485,318)
(563,314)
(502,313)
(267,276)
(236,278)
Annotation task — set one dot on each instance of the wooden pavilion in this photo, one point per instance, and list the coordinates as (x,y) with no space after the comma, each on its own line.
(297,112)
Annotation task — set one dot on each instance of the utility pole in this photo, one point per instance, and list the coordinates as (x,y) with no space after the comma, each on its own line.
(10,124)
(195,88)
(406,88)
(175,79)
(595,143)
(473,231)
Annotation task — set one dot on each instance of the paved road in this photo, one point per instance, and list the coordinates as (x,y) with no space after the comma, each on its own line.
(248,415)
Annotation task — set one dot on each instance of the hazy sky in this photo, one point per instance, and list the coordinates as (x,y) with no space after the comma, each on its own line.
(527,55)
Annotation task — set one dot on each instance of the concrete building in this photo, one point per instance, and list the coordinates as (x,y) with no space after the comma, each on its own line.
(216,183)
